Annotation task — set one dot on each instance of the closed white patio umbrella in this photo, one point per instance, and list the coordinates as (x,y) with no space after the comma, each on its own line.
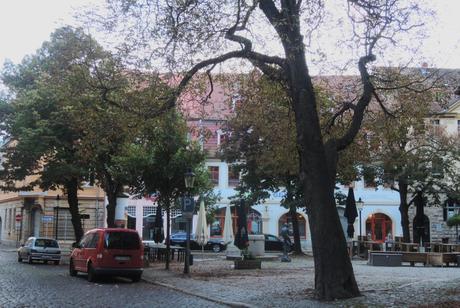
(201,232)
(228,236)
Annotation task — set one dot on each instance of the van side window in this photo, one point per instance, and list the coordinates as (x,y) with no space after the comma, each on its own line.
(84,242)
(94,240)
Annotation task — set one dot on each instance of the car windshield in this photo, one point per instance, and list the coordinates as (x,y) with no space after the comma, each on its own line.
(121,240)
(40,242)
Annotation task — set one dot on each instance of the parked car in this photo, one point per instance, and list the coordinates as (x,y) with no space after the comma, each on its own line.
(214,244)
(40,249)
(108,251)
(274,243)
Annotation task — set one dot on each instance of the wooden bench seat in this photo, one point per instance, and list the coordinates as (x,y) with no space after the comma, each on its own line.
(435,259)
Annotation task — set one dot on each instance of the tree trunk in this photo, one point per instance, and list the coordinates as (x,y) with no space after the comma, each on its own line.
(293,213)
(168,231)
(112,190)
(71,188)
(295,228)
(404,210)
(334,277)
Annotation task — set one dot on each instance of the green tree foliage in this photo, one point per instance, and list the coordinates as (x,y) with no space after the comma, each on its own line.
(412,155)
(40,123)
(262,145)
(157,161)
(190,36)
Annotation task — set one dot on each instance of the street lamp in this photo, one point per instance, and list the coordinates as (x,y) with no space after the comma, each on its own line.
(187,212)
(189,177)
(359,206)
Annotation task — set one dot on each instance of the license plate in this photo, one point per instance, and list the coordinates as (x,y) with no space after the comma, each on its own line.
(122,258)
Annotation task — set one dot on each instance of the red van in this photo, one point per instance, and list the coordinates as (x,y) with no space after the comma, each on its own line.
(108,251)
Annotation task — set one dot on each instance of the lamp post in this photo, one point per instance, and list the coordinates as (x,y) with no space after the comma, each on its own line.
(359,206)
(187,212)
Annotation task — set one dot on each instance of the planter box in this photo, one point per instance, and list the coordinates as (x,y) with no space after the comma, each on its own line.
(435,259)
(248,264)
(385,259)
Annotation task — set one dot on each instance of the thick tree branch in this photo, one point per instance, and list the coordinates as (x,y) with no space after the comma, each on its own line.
(363,102)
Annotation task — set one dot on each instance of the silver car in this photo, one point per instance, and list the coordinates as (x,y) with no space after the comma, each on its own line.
(40,249)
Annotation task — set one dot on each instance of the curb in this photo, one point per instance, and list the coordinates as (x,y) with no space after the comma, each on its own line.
(215,300)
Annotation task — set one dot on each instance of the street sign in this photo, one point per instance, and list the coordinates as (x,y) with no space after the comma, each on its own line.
(18,217)
(188,205)
(47,218)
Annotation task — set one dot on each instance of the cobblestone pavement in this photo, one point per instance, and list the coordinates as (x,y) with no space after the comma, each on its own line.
(291,284)
(41,285)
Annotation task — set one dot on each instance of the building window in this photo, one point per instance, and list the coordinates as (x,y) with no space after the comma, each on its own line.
(214,174)
(149,210)
(369,175)
(435,126)
(131,210)
(233,177)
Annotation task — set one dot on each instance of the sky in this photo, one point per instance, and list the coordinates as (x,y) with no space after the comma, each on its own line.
(26,24)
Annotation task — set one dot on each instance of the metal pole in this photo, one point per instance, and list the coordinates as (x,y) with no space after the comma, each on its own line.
(360,234)
(187,250)
(360,231)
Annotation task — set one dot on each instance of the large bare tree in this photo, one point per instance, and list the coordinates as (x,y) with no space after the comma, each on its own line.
(196,35)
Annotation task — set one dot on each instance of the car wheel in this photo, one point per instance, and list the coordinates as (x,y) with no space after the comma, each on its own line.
(45,262)
(91,274)
(56,262)
(136,278)
(216,248)
(19,258)
(29,259)
(72,270)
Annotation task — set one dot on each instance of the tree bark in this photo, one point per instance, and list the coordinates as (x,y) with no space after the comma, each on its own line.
(112,190)
(295,227)
(334,277)
(404,210)
(71,188)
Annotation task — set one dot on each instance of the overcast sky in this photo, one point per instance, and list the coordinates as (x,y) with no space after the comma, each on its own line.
(25,24)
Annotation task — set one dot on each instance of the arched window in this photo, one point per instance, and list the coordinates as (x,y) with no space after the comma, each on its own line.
(254,222)
(378,226)
(286,218)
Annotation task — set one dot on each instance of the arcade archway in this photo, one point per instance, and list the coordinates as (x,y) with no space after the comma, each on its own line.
(378,226)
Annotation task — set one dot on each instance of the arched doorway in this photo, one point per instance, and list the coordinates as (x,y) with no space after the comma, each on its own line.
(422,231)
(378,226)
(286,218)
(254,222)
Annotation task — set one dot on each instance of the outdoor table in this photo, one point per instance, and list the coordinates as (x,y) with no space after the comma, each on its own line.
(158,251)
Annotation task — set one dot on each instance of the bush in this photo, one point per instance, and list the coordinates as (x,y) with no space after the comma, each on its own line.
(454,220)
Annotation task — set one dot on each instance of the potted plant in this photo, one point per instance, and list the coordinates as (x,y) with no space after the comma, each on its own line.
(248,261)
